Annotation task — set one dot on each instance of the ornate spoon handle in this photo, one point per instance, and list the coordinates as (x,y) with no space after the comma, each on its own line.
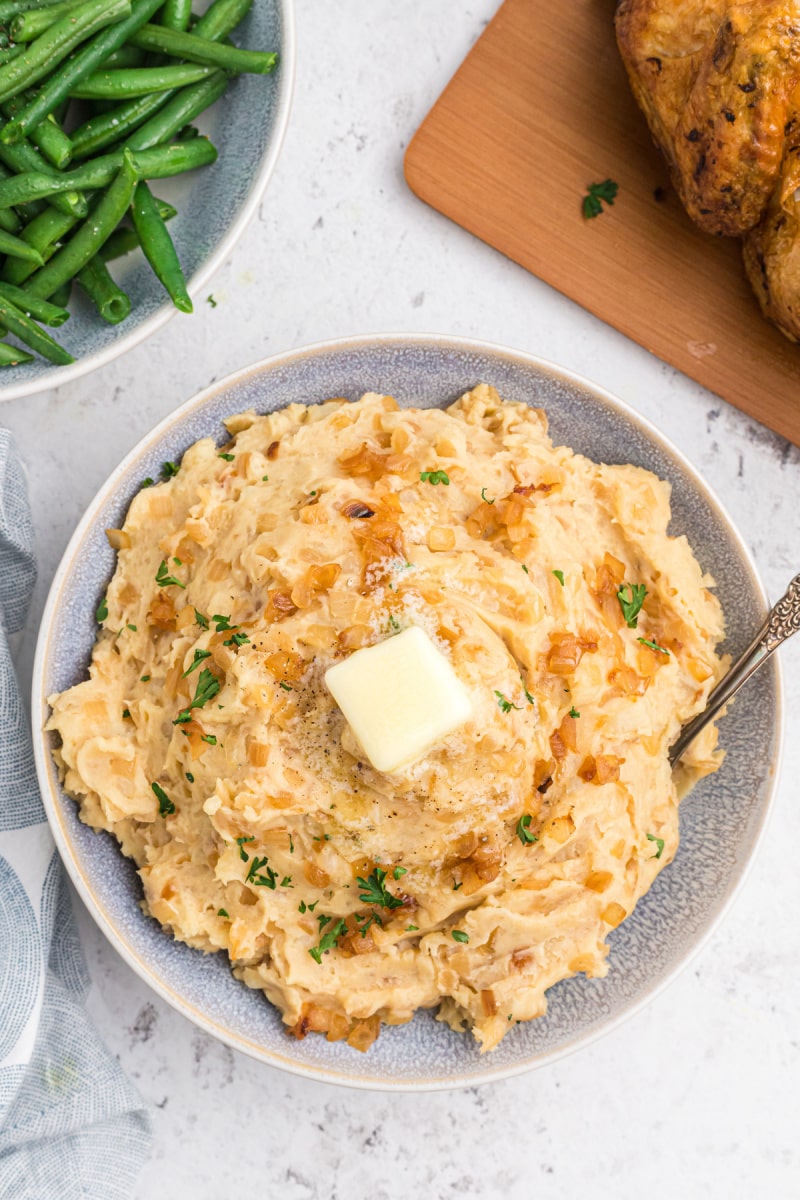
(782,621)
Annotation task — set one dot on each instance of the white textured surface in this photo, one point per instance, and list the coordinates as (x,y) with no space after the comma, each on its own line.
(697,1096)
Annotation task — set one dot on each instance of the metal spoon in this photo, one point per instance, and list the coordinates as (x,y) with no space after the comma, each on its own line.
(782,621)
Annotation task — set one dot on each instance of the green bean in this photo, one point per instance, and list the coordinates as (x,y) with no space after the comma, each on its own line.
(158,247)
(44,233)
(8,219)
(10,8)
(138,81)
(24,158)
(89,238)
(82,63)
(161,162)
(177,14)
(30,334)
(61,295)
(126,56)
(47,136)
(40,310)
(121,242)
(10,356)
(110,301)
(125,239)
(55,145)
(19,249)
(57,43)
(200,50)
(107,128)
(221,19)
(29,25)
(177,112)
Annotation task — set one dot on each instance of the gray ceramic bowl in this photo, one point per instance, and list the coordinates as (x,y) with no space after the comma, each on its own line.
(720,823)
(214,206)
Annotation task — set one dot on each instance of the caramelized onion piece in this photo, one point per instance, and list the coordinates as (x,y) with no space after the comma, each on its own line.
(566,652)
(279,605)
(364,1033)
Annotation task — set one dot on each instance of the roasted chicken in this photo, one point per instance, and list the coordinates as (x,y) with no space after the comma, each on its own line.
(719,84)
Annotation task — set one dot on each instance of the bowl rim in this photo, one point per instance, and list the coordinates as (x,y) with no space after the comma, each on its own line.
(167,310)
(435,342)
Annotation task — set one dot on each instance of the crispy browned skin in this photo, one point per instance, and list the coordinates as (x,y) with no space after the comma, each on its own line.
(772,249)
(715,81)
(718,83)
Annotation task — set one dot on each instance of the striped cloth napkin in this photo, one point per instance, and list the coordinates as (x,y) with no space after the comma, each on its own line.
(71,1125)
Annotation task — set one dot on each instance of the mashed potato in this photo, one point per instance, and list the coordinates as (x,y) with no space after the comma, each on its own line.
(206,740)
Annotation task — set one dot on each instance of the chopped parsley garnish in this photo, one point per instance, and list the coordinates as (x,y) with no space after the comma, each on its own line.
(237,639)
(147,482)
(653,645)
(459,935)
(227,457)
(163,579)
(375,890)
(456,886)
(222,623)
(200,620)
(144,679)
(240,841)
(287,881)
(573,712)
(531,699)
(210,738)
(301,908)
(210,300)
(559,576)
(525,569)
(631,603)
(199,655)
(291,845)
(165,806)
(102,610)
(393,622)
(311,907)
(190,776)
(269,879)
(168,469)
(223,912)
(329,940)
(132,627)
(597,195)
(207,688)
(412,928)
(651,837)
(265,478)
(485,498)
(524,831)
(506,705)
(398,871)
(435,477)
(126,712)
(285,686)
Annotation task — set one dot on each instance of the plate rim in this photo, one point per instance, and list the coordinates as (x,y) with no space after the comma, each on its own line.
(39,709)
(255,194)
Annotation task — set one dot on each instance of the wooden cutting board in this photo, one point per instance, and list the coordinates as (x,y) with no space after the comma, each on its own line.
(540,109)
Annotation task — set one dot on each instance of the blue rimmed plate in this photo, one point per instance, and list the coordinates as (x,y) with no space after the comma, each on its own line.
(720,823)
(215,205)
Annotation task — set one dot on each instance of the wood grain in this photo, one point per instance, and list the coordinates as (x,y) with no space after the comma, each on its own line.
(541,108)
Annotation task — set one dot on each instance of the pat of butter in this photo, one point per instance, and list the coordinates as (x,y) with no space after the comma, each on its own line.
(400,698)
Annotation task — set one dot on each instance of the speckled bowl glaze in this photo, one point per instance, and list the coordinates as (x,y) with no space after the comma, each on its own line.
(215,205)
(720,822)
